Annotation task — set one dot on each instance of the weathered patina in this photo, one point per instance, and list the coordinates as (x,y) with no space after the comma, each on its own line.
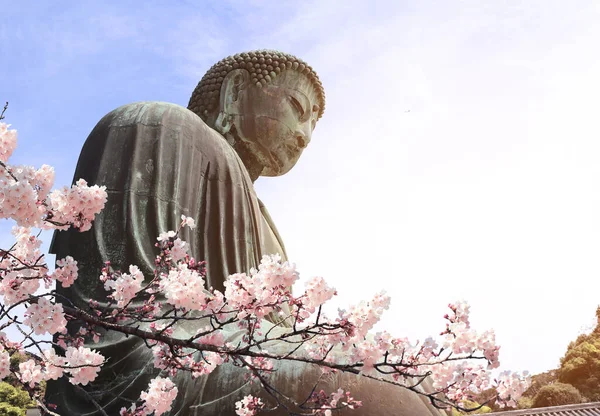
(252,114)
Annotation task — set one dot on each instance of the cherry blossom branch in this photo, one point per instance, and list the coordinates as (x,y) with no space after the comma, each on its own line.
(245,352)
(248,302)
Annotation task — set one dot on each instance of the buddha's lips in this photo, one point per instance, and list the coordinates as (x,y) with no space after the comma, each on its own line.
(293,152)
(284,155)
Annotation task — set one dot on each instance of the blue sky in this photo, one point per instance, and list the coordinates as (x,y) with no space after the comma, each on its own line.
(457,157)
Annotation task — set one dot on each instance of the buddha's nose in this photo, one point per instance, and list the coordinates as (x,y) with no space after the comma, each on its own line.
(301,141)
(302,138)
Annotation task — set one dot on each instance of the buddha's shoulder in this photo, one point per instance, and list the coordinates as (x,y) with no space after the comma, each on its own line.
(166,116)
(151,113)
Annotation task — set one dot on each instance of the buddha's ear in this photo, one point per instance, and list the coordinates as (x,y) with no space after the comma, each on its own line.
(233,83)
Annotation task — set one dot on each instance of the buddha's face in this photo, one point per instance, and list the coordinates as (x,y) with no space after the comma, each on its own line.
(276,121)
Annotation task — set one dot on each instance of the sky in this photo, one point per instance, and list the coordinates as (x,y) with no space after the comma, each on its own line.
(457,157)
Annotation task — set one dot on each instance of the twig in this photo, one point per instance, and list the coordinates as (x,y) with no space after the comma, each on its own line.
(3,111)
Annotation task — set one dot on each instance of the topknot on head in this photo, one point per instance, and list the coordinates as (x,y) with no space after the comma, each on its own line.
(263,65)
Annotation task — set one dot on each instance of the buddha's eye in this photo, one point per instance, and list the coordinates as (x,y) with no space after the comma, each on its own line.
(297,106)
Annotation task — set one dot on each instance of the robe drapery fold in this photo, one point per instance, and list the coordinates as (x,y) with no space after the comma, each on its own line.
(157,161)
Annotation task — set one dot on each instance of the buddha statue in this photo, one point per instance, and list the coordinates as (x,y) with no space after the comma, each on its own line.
(251,115)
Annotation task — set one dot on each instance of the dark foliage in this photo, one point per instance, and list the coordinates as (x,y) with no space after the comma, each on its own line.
(557,394)
(580,365)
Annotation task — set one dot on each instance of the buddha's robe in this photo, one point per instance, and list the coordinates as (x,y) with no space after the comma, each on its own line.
(159,161)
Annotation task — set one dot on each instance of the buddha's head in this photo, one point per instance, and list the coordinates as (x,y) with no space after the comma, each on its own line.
(265,103)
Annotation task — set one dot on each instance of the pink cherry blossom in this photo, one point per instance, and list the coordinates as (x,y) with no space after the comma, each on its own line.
(179,250)
(16,281)
(212,338)
(66,271)
(166,235)
(77,205)
(460,312)
(366,314)
(188,221)
(511,386)
(8,141)
(27,247)
(45,317)
(54,364)
(20,202)
(184,288)
(275,274)
(125,286)
(43,180)
(4,364)
(165,359)
(262,291)
(317,293)
(160,395)
(26,198)
(368,353)
(207,364)
(240,291)
(262,363)
(325,404)
(17,286)
(248,406)
(85,364)
(30,372)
